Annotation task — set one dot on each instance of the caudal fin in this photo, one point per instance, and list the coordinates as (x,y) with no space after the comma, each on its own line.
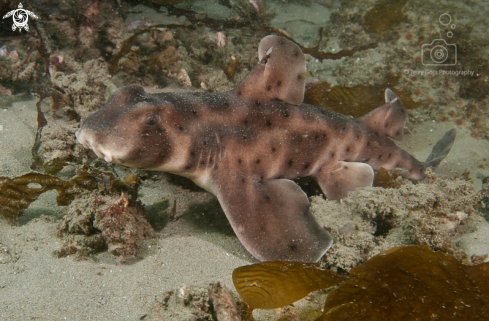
(441,149)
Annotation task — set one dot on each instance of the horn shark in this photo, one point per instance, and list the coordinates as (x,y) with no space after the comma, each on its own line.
(245,145)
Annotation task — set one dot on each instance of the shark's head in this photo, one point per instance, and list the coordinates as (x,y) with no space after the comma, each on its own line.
(129,129)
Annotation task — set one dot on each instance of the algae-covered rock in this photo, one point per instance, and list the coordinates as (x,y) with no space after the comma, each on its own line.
(213,9)
(83,84)
(57,146)
(213,302)
(301,22)
(108,217)
(435,213)
(93,223)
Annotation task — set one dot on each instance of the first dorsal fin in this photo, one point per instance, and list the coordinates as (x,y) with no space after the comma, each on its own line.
(279,75)
(389,119)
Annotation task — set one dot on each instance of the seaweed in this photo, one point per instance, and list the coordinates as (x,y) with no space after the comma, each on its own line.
(16,194)
(403,283)
(411,283)
(384,16)
(261,285)
(231,68)
(384,178)
(357,100)
(321,55)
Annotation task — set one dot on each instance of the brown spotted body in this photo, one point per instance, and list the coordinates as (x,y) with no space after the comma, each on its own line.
(245,145)
(273,139)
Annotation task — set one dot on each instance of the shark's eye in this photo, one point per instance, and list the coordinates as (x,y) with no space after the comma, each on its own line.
(152,119)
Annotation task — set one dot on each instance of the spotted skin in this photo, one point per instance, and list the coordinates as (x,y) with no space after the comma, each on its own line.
(246,145)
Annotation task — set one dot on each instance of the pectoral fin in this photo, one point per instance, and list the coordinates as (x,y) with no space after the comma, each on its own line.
(271,219)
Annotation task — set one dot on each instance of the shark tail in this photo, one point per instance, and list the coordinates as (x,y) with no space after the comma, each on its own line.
(441,149)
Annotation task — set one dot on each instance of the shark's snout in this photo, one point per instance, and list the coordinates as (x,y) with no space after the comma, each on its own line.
(87,141)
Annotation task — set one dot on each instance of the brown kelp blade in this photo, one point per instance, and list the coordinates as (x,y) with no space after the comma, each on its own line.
(16,194)
(270,285)
(411,283)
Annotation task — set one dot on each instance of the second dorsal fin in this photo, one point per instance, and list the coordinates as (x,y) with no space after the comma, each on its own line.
(280,73)
(389,119)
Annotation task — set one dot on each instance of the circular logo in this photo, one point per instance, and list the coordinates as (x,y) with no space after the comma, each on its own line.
(439,54)
(445,19)
(20,18)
